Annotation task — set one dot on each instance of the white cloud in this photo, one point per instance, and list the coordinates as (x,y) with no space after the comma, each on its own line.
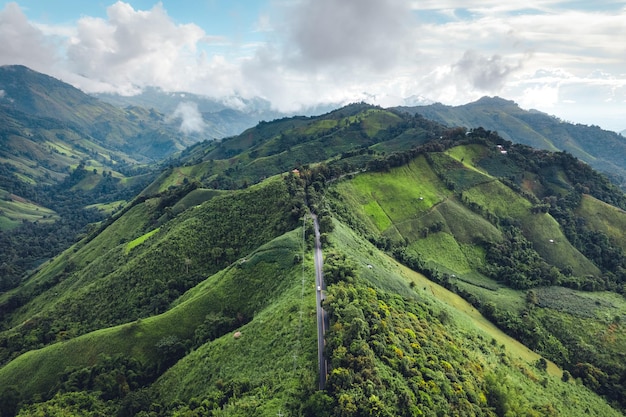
(548,54)
(133,48)
(488,74)
(543,96)
(191,118)
(348,34)
(23,43)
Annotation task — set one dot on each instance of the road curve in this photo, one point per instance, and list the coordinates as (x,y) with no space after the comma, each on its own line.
(322,319)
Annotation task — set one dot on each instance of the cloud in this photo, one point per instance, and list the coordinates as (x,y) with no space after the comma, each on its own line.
(487,74)
(23,43)
(349,33)
(191,118)
(332,52)
(133,48)
(301,53)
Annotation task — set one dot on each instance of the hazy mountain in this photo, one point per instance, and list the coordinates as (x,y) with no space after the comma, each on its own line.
(133,134)
(602,149)
(198,297)
(223,117)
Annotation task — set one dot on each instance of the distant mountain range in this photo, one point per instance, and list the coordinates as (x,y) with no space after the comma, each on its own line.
(602,149)
(51,123)
(221,118)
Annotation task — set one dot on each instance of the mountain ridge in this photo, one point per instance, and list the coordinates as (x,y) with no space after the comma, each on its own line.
(602,149)
(427,206)
(196,296)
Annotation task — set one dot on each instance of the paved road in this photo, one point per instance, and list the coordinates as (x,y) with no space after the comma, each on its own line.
(322,317)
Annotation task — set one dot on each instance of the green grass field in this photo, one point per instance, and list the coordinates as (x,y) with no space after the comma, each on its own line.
(498,199)
(134,243)
(247,289)
(442,249)
(465,225)
(407,192)
(14,210)
(108,208)
(469,155)
(605,218)
(548,240)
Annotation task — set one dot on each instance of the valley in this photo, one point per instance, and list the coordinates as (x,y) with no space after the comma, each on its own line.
(458,279)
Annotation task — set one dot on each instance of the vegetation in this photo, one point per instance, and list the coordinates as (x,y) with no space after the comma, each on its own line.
(63,151)
(532,240)
(196,296)
(63,301)
(604,150)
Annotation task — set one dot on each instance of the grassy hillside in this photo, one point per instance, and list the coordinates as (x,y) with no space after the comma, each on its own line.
(605,218)
(501,249)
(122,273)
(135,132)
(420,349)
(62,153)
(267,284)
(604,150)
(347,138)
(460,280)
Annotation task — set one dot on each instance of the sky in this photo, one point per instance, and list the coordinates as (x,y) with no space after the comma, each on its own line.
(565,58)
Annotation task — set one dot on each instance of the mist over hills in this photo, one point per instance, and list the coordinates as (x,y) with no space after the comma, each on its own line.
(220,118)
(465,274)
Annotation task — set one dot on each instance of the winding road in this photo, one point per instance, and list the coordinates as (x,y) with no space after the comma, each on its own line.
(322,317)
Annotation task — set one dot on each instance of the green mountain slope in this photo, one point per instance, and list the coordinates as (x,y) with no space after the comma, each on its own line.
(71,295)
(498,246)
(346,138)
(418,351)
(66,160)
(221,118)
(37,103)
(460,280)
(603,150)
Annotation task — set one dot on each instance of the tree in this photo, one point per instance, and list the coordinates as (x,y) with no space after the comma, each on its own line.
(9,400)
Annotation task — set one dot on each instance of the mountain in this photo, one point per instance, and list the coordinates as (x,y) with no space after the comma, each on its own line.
(198,297)
(221,117)
(604,150)
(66,159)
(32,101)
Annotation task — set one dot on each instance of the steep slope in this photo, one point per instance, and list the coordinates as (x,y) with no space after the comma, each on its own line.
(149,301)
(499,246)
(96,284)
(135,133)
(603,150)
(394,347)
(66,160)
(346,139)
(221,118)
(265,287)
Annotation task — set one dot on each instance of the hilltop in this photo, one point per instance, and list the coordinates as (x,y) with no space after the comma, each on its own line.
(431,235)
(604,150)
